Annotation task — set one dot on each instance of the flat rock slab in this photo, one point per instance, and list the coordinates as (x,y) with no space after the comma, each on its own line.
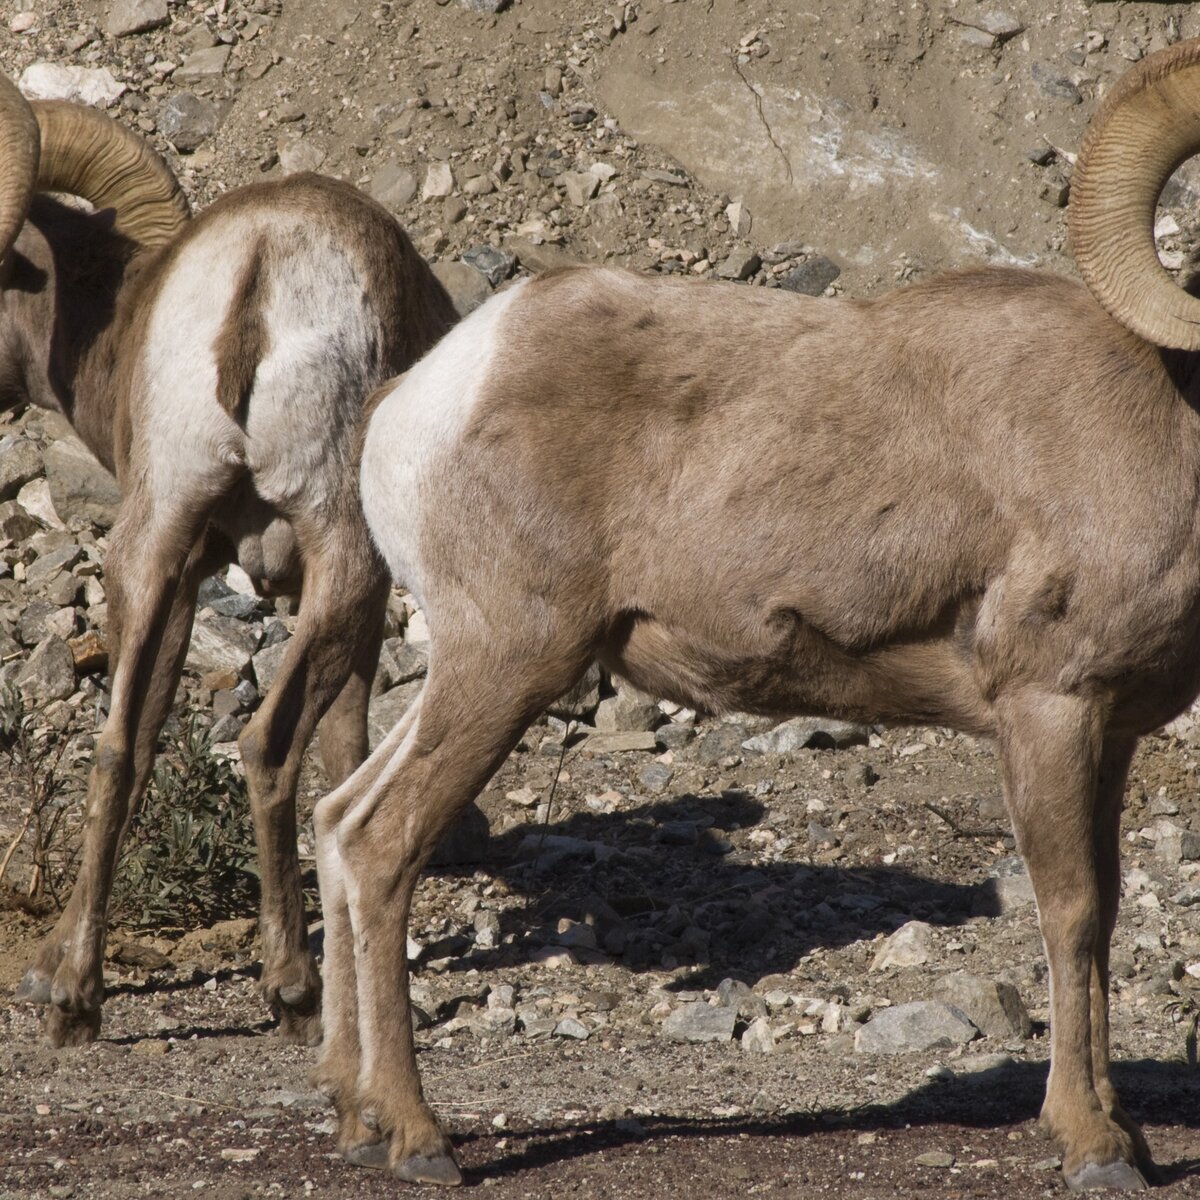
(204,64)
(700,1022)
(20,462)
(220,643)
(394,186)
(910,1028)
(615,743)
(1008,890)
(802,733)
(135,16)
(386,710)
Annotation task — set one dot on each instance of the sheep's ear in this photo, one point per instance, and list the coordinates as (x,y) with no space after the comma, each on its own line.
(1148,124)
(19,147)
(88,154)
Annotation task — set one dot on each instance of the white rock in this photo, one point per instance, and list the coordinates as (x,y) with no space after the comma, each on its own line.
(700,1022)
(569,1027)
(739,218)
(34,498)
(629,710)
(1166,226)
(834,1018)
(758,1038)
(267,663)
(416,633)
(439,181)
(909,946)
(56,81)
(580,186)
(240,581)
(299,155)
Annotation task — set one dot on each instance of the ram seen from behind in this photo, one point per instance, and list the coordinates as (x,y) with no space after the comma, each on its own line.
(218,366)
(974,502)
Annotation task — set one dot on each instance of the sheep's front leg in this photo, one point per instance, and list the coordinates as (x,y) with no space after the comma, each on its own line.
(480,696)
(1051,747)
(152,596)
(339,633)
(341,1052)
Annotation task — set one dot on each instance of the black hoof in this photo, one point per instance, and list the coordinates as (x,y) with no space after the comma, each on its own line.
(1119,1176)
(372,1155)
(429,1168)
(33,989)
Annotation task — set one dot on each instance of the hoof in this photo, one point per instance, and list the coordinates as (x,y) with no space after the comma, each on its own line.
(34,988)
(297,995)
(1119,1176)
(429,1168)
(299,1029)
(65,1027)
(372,1155)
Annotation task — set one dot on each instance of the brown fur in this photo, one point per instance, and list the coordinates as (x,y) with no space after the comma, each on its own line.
(242,344)
(972,502)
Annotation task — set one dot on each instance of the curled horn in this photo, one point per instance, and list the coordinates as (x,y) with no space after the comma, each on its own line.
(19,145)
(1145,128)
(87,154)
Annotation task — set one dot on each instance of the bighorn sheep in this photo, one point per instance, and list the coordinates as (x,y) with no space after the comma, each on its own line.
(972,502)
(219,367)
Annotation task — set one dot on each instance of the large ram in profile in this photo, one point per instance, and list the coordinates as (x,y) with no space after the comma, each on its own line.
(974,502)
(218,366)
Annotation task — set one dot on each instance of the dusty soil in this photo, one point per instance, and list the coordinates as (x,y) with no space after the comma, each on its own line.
(187,1076)
(883,137)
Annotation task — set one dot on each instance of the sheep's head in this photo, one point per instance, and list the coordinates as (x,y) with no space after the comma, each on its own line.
(1148,124)
(51,146)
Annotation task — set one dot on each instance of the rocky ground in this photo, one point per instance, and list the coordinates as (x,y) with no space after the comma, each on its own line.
(683,955)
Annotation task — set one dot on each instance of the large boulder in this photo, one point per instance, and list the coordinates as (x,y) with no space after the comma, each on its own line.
(79,485)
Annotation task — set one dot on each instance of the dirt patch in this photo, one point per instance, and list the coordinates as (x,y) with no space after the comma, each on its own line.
(187,1069)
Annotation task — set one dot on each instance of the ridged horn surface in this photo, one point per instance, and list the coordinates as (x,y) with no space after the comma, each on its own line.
(88,154)
(1145,128)
(18,162)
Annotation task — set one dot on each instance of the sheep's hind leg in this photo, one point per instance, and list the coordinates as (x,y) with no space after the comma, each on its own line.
(1051,747)
(152,583)
(35,985)
(338,635)
(1114,770)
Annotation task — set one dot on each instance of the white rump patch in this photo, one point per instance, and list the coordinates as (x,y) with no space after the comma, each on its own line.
(417,425)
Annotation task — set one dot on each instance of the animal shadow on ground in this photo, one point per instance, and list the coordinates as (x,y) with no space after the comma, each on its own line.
(659,884)
(1005,1095)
